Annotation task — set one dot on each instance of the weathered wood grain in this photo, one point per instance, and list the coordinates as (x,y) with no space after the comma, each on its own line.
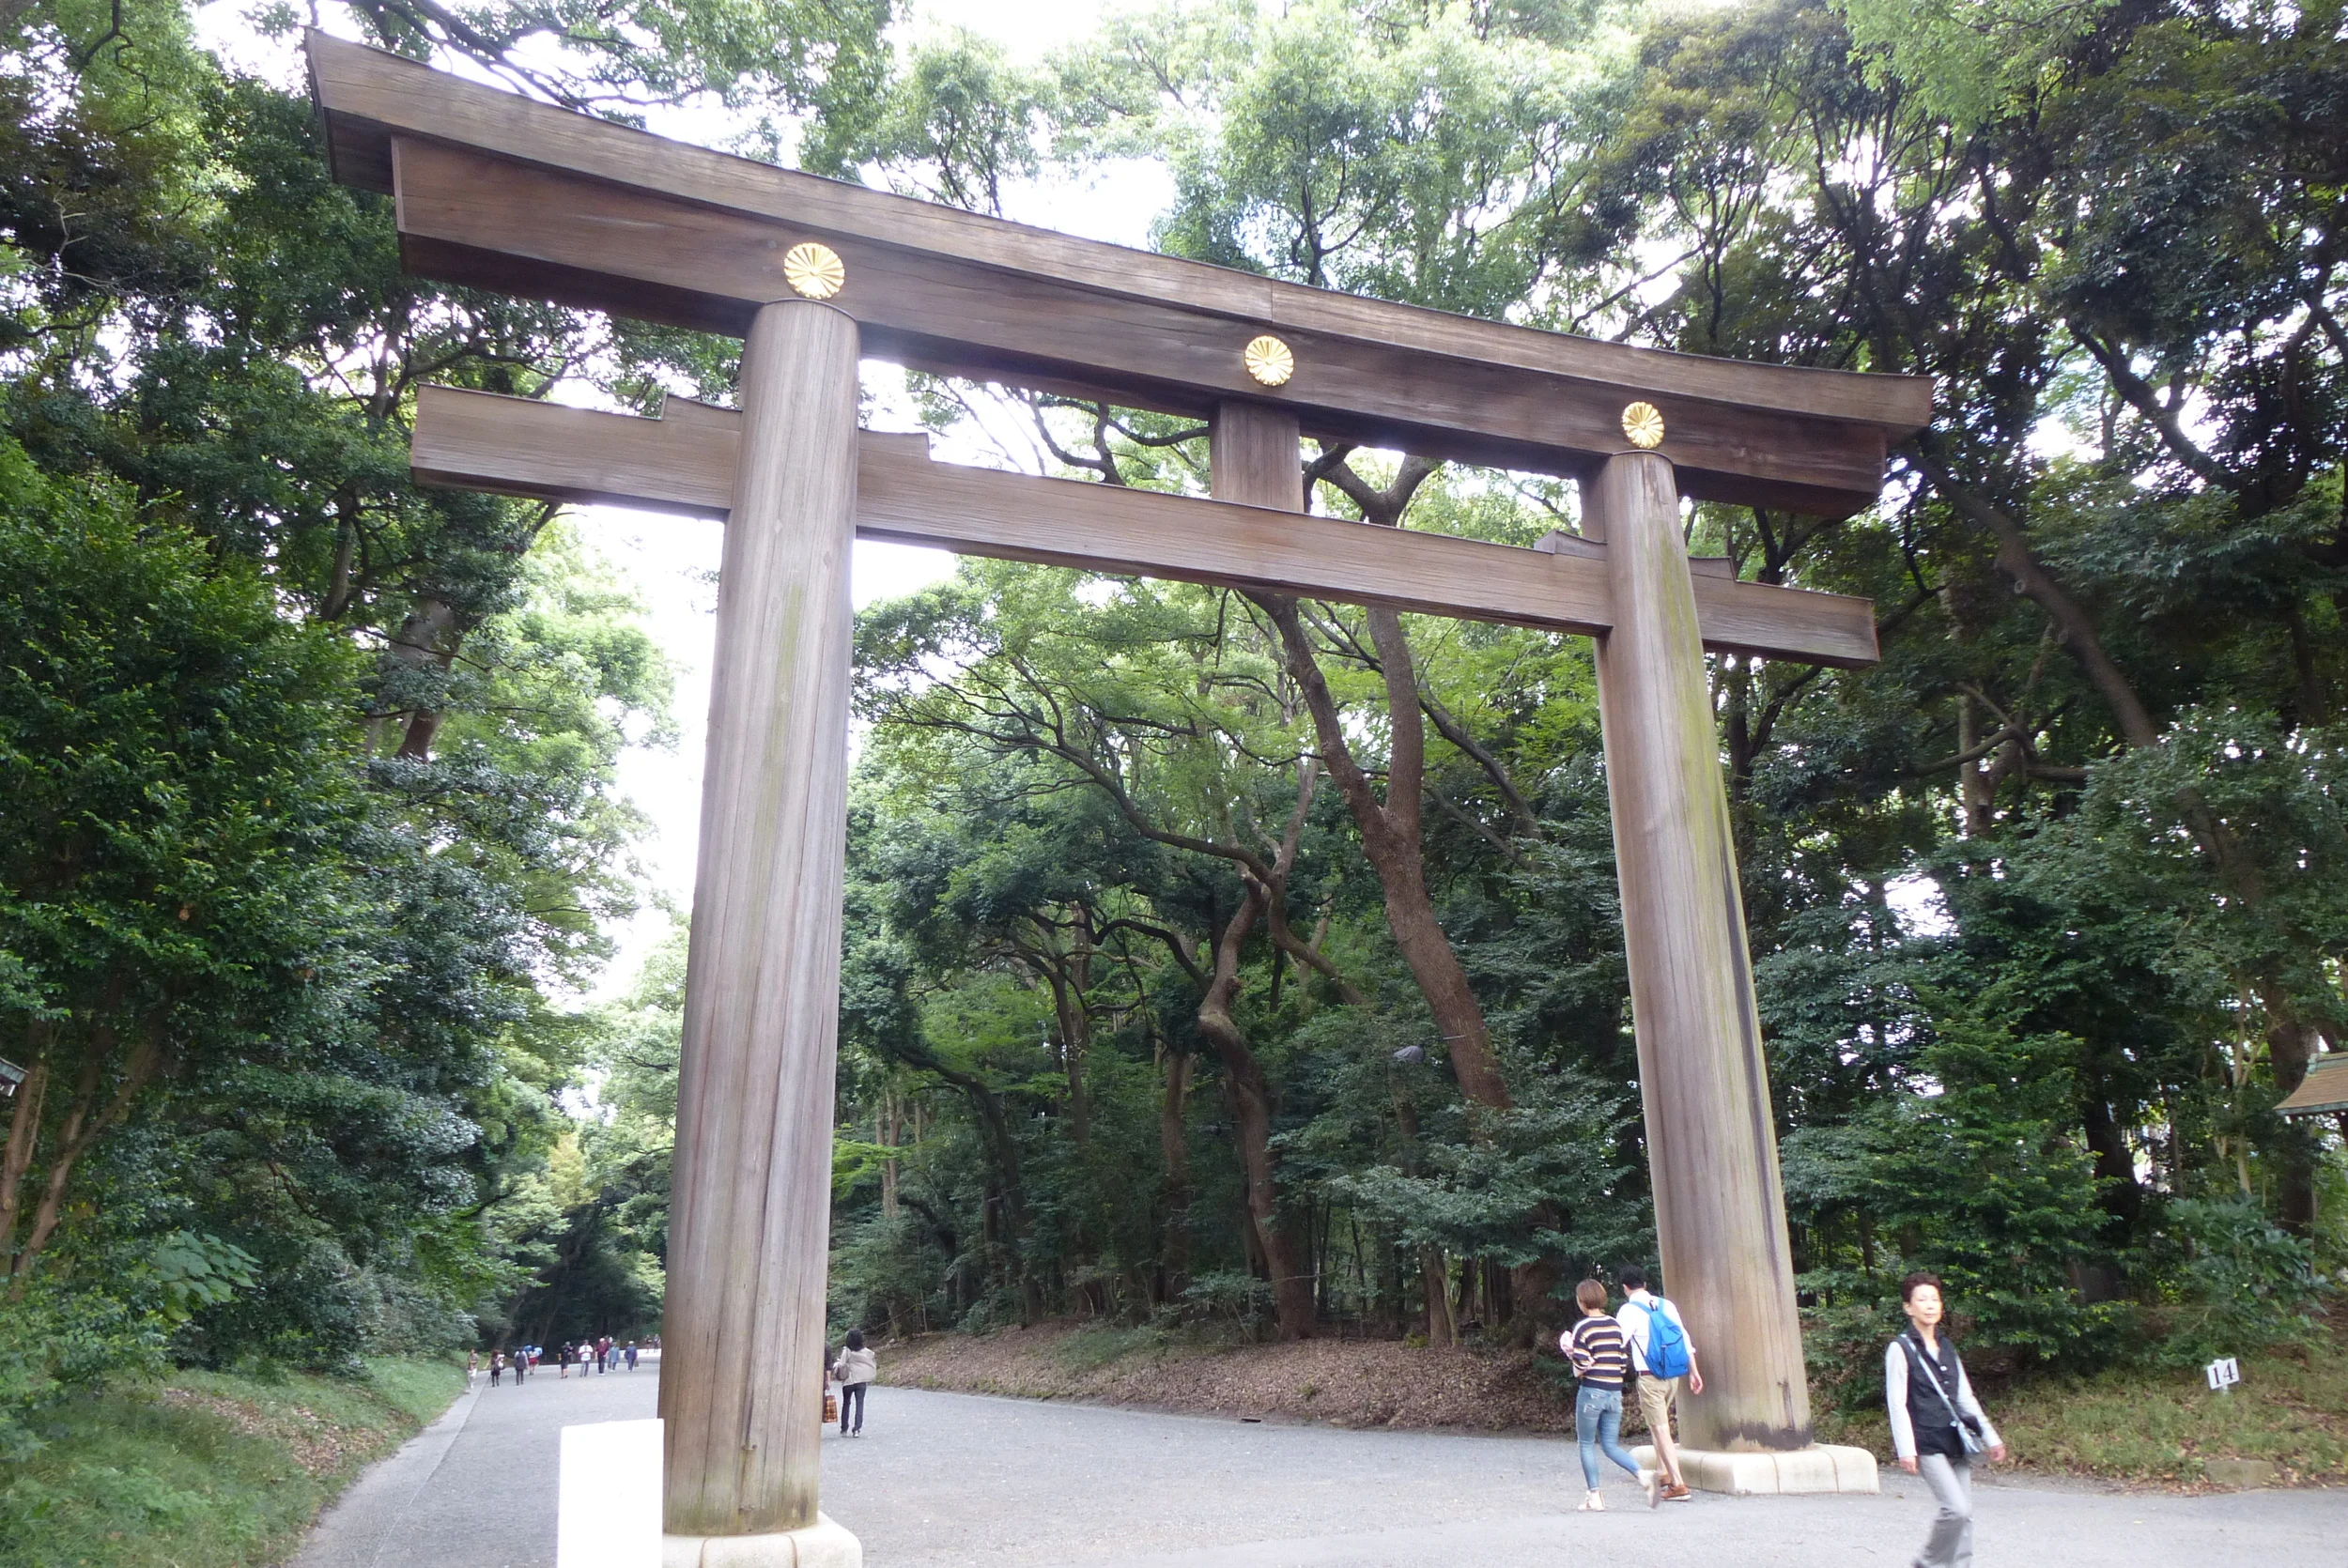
(1720,1209)
(684,463)
(601,216)
(744,1320)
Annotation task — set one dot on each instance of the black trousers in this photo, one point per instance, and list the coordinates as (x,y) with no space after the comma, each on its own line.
(852,1397)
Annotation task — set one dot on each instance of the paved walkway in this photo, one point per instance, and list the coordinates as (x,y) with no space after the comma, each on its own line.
(476,1488)
(943,1479)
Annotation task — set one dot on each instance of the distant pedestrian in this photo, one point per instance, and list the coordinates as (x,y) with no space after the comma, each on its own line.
(855,1369)
(472,1365)
(1938,1426)
(1601,1354)
(603,1355)
(563,1357)
(497,1366)
(631,1355)
(1663,1356)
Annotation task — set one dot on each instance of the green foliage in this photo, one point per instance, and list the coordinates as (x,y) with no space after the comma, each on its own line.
(316,770)
(1229,1297)
(1538,1181)
(1970,60)
(55,1339)
(203,1470)
(313,823)
(2042,906)
(2235,1282)
(197,1271)
(1979,1181)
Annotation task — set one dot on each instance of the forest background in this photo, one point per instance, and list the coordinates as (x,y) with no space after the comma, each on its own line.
(1211,960)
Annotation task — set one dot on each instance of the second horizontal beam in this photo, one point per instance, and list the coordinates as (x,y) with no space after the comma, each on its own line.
(684,461)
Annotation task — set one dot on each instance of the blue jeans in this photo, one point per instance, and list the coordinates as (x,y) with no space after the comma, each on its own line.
(1598,1423)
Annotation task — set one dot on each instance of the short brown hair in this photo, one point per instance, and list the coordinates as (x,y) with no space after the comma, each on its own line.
(1909,1285)
(1590,1296)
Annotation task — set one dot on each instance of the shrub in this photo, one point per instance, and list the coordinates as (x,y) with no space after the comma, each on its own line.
(2230,1282)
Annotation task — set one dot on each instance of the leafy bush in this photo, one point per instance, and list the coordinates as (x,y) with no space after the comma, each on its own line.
(2232,1281)
(1229,1296)
(1540,1180)
(1981,1183)
(55,1337)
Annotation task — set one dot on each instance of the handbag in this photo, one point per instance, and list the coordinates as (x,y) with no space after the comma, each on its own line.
(1968,1428)
(831,1408)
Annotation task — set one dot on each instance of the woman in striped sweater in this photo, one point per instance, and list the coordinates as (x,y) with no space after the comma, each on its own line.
(1600,1352)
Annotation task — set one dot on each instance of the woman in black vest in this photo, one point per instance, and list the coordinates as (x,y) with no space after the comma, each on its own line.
(1938,1426)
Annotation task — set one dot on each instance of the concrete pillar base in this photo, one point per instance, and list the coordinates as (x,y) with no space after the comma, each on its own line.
(821,1545)
(1820,1468)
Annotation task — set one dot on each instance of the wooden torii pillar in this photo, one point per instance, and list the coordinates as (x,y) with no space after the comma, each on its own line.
(499,192)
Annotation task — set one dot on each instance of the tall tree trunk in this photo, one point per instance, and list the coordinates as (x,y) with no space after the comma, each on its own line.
(1973,792)
(995,1127)
(1391,838)
(890,1129)
(2115,1162)
(1174,1150)
(24,1140)
(427,642)
(1250,1095)
(1440,1328)
(1067,978)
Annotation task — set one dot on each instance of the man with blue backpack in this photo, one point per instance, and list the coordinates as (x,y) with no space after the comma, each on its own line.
(1663,1357)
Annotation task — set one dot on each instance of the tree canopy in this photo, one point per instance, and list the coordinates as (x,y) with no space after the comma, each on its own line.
(1210,956)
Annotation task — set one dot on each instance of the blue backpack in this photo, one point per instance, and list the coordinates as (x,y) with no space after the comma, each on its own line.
(1666,1343)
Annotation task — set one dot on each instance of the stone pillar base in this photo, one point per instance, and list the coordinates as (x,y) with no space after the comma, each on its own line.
(821,1545)
(1820,1468)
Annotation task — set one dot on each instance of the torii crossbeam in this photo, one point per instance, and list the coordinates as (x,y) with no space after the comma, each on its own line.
(496,191)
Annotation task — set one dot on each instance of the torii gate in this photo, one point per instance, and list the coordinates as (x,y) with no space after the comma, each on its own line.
(499,192)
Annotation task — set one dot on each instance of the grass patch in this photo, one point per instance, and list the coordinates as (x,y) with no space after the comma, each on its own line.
(2163,1429)
(1090,1350)
(206,1469)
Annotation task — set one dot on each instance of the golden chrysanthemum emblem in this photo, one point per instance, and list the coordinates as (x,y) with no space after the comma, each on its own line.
(1268,360)
(813,271)
(1644,424)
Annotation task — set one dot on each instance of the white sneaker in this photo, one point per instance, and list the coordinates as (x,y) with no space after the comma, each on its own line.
(1651,1482)
(1592,1505)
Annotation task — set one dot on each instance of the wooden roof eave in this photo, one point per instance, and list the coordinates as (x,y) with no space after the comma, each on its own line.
(2323,1091)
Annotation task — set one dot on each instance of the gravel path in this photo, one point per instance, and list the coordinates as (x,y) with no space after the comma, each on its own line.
(945,1479)
(476,1488)
(942,1479)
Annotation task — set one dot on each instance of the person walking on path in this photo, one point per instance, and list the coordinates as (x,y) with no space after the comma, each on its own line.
(472,1365)
(497,1366)
(631,1355)
(1663,1357)
(1601,1355)
(1938,1426)
(856,1367)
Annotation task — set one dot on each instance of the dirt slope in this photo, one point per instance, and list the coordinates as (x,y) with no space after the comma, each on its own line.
(1343,1382)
